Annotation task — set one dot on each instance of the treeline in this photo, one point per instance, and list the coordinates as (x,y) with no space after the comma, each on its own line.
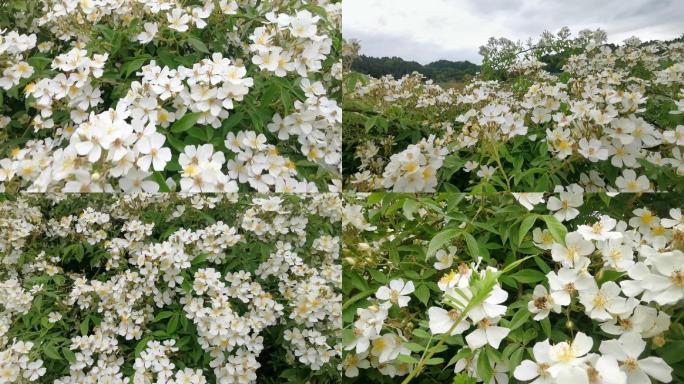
(440,71)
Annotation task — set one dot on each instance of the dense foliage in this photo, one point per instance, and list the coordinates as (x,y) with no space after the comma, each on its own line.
(201,95)
(441,71)
(570,288)
(170,289)
(565,113)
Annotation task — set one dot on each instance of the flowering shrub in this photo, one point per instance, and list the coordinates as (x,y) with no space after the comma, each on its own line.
(568,288)
(170,288)
(201,96)
(571,113)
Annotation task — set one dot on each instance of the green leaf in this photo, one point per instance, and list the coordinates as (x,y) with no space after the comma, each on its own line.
(197,44)
(141,345)
(558,230)
(673,352)
(484,370)
(51,351)
(84,326)
(471,243)
(172,325)
(410,207)
(378,276)
(421,334)
(186,122)
(519,319)
(525,227)
(200,259)
(159,178)
(440,239)
(231,122)
(423,293)
(414,347)
(434,361)
(69,354)
(407,359)
(546,326)
(528,276)
(163,315)
(135,64)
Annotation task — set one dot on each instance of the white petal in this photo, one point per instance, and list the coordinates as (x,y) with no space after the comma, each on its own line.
(496,334)
(383,293)
(476,338)
(527,370)
(657,368)
(440,322)
(582,344)
(632,344)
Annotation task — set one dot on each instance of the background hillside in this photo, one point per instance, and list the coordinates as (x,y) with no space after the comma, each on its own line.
(442,71)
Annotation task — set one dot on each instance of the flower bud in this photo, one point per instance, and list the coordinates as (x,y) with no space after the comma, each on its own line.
(569,324)
(658,341)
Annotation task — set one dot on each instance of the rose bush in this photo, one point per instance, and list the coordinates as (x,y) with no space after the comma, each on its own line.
(563,112)
(498,288)
(170,288)
(201,96)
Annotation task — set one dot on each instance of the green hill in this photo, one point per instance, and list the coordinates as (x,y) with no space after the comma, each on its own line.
(441,71)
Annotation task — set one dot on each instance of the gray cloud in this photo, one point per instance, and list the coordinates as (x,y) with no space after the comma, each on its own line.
(454,29)
(404,47)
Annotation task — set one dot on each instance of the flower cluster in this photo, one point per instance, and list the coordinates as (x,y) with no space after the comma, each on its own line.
(613,110)
(415,169)
(12,47)
(596,298)
(132,92)
(159,284)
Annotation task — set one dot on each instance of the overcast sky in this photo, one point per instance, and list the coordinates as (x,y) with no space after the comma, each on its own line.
(429,30)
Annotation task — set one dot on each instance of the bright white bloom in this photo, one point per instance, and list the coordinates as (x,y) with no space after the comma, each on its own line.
(397,292)
(441,321)
(565,205)
(529,199)
(627,350)
(576,249)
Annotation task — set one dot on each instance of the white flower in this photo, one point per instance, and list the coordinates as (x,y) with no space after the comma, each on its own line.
(445,258)
(54,317)
(487,333)
(543,303)
(627,350)
(441,321)
(491,307)
(538,369)
(600,230)
(617,255)
(629,182)
(486,171)
(352,362)
(542,238)
(397,293)
(529,199)
(676,221)
(178,20)
(388,347)
(135,182)
(576,249)
(153,152)
(567,360)
(34,370)
(592,150)
(667,282)
(600,304)
(148,34)
(565,205)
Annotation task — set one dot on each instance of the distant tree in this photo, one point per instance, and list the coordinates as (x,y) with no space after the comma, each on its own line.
(439,71)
